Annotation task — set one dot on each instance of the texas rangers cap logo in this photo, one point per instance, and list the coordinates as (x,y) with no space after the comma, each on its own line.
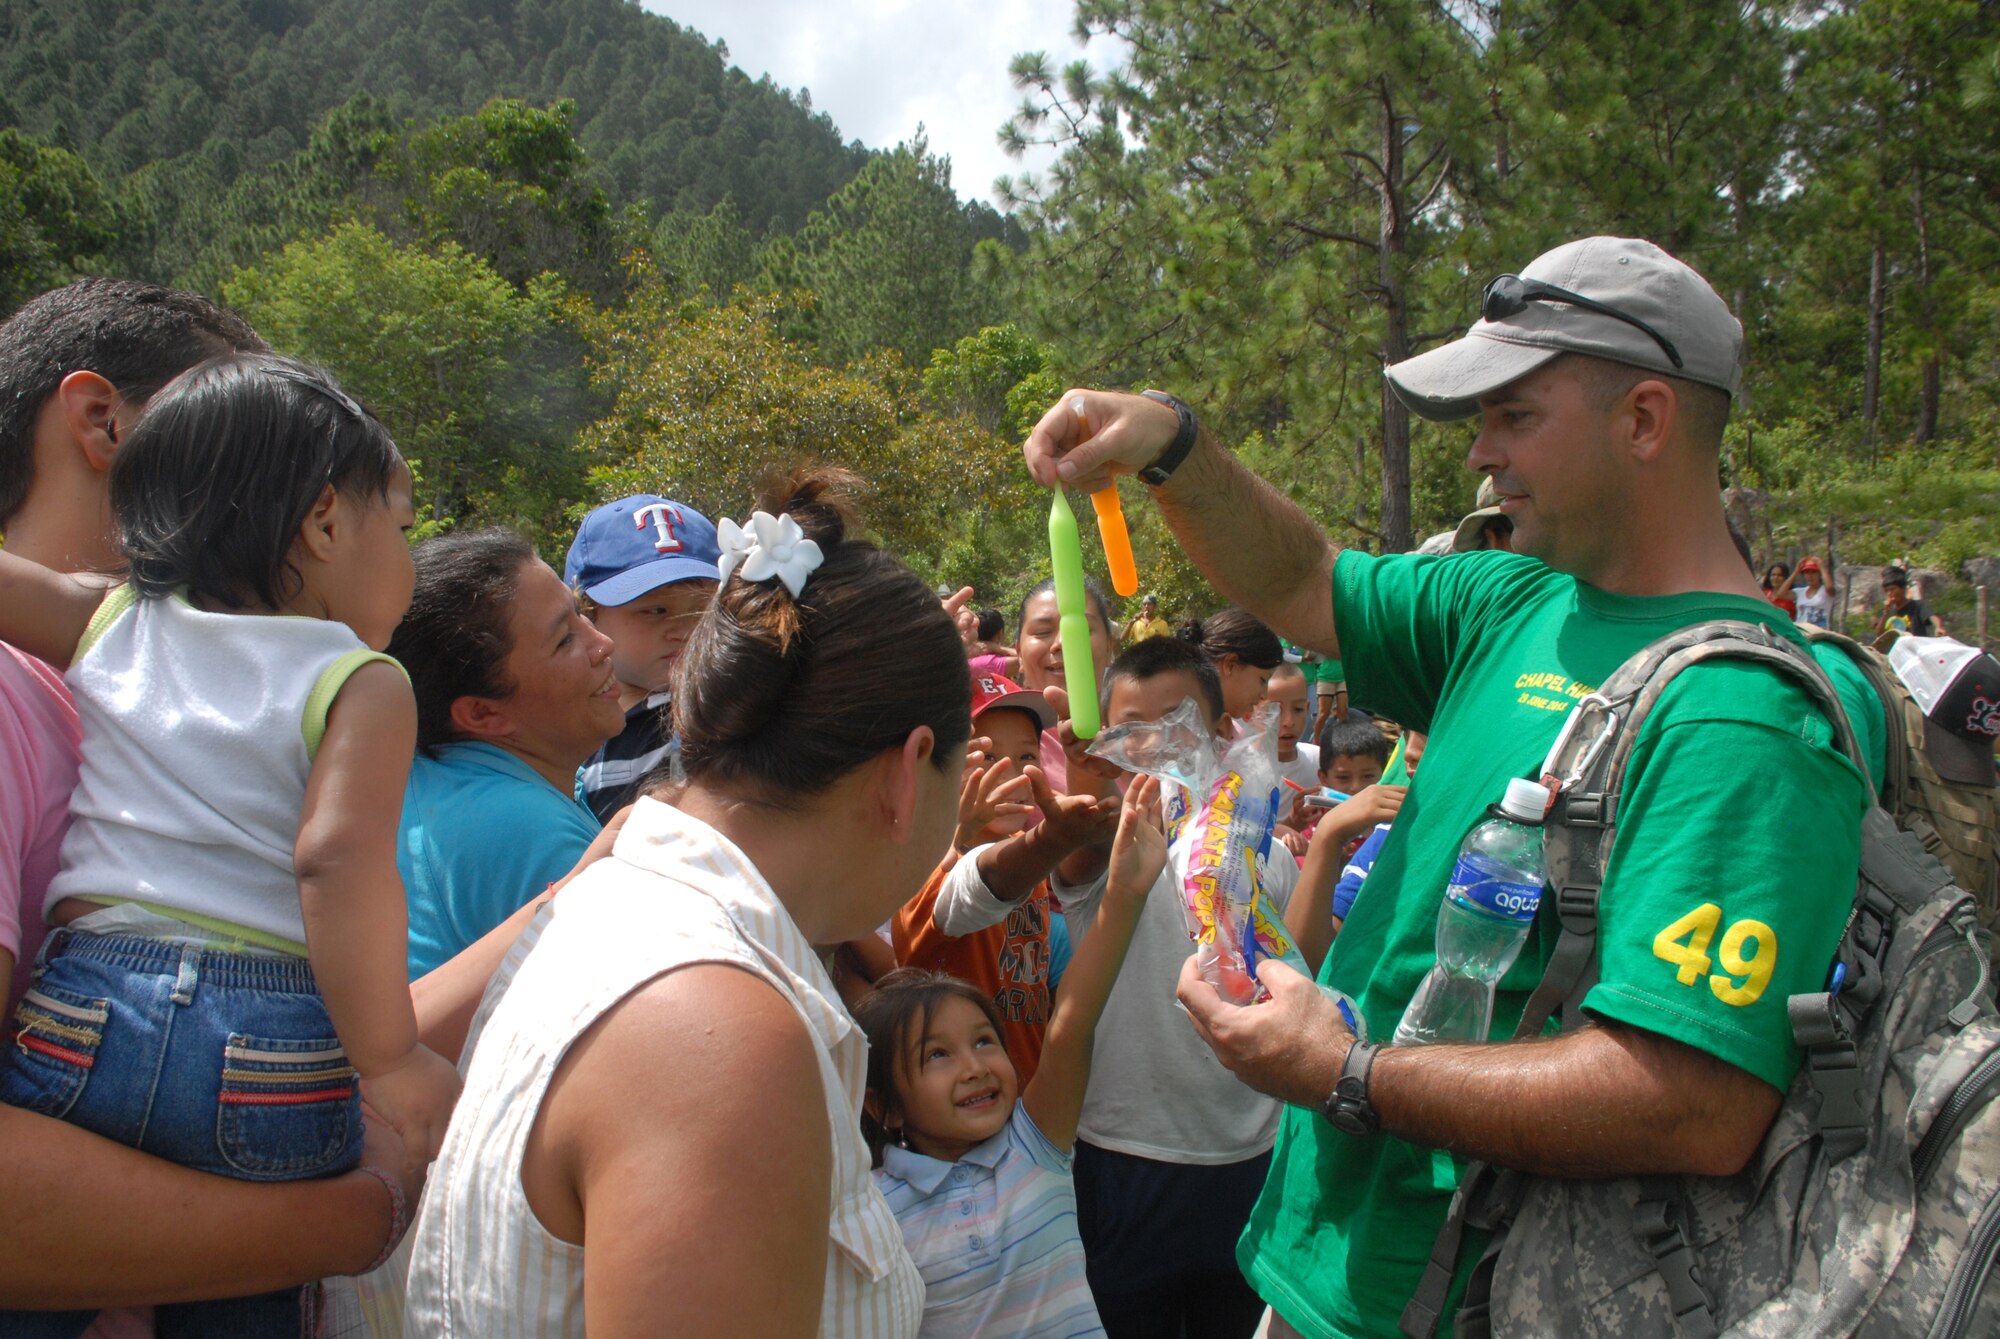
(663,518)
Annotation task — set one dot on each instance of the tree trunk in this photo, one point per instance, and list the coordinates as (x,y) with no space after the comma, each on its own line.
(1927,403)
(1741,409)
(1361,526)
(1396,530)
(1501,166)
(1871,377)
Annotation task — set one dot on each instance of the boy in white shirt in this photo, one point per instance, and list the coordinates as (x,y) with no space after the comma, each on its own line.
(1297,762)
(1171,1150)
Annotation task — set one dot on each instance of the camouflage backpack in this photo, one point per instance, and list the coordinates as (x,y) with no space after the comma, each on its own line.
(1957,823)
(1871,1209)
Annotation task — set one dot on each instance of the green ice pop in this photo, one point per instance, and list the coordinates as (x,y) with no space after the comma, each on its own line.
(1079,675)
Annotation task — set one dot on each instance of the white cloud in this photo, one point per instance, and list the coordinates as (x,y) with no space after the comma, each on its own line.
(879,68)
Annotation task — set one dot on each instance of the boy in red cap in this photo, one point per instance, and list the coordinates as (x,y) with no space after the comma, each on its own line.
(959,923)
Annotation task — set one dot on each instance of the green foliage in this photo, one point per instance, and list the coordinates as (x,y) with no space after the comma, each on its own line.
(207,92)
(1936,506)
(1256,212)
(712,251)
(185,225)
(1898,125)
(509,184)
(1265,204)
(55,220)
(478,381)
(707,400)
(999,378)
(888,260)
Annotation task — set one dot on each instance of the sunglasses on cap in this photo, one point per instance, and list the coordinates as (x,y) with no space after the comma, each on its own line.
(1510,294)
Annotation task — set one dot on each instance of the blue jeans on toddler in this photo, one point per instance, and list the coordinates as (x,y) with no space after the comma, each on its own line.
(222,1062)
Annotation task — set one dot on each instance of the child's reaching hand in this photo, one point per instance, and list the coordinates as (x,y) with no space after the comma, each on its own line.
(1139,851)
(1309,915)
(1054,1097)
(415,1095)
(989,792)
(1360,813)
(1070,822)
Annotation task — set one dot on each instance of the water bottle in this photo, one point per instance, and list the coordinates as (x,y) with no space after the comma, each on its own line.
(1486,917)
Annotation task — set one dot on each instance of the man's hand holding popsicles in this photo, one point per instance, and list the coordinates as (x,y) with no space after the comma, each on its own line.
(1066,559)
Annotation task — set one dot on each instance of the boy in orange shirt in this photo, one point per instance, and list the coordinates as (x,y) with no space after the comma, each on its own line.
(984,915)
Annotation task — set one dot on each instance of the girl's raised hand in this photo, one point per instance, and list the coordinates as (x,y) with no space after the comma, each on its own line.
(1139,851)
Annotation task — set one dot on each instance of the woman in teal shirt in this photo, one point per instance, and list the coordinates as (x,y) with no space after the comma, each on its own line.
(514,691)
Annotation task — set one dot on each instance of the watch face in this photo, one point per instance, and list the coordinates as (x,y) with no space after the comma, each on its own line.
(1349,1120)
(1348,1108)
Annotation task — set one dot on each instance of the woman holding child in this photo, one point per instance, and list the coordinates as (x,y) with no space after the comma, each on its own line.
(823,710)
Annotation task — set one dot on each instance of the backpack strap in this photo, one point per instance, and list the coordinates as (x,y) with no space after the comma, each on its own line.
(1585,771)
(1660,1222)
(1896,762)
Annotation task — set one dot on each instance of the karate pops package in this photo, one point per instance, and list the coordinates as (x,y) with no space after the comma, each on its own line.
(1222,800)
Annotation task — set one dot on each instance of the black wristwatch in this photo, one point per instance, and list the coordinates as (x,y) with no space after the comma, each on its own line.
(1349,1108)
(1170,459)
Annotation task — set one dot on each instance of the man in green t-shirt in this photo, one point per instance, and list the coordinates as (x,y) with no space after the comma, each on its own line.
(1330,689)
(1602,378)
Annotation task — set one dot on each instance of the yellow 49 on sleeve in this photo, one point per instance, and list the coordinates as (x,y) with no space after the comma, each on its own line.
(1749,950)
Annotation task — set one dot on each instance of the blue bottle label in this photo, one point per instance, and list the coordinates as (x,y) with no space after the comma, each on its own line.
(1349,1013)
(1495,890)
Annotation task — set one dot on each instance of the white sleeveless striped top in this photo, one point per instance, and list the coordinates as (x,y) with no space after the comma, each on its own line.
(674,892)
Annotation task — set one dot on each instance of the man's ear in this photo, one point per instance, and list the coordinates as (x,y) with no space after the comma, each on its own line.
(1654,412)
(91,408)
(481,718)
(896,782)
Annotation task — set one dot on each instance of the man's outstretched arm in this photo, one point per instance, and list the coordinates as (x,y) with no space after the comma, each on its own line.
(1252,542)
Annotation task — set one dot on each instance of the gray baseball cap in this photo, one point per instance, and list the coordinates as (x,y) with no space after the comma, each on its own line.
(1643,284)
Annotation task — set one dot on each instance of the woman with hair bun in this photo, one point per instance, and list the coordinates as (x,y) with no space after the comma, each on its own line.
(1244,651)
(669,1076)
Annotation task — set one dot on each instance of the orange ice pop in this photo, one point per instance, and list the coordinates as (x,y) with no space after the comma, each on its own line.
(1111,526)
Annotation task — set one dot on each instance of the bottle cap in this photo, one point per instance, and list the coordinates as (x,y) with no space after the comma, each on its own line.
(1527,801)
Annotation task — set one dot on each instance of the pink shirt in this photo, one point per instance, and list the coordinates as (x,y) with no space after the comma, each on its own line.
(39,737)
(1055,763)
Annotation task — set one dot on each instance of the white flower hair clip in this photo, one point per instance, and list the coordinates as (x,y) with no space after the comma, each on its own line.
(768,546)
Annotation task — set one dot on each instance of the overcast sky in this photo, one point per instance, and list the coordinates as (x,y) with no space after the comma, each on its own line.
(879,67)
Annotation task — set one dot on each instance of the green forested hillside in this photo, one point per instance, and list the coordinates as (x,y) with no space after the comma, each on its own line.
(194,93)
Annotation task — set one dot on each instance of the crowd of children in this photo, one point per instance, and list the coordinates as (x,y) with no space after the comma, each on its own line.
(227,977)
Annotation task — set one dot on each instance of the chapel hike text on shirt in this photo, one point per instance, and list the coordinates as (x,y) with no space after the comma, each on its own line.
(1557,691)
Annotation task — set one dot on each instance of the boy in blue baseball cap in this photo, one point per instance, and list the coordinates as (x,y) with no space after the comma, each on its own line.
(644,569)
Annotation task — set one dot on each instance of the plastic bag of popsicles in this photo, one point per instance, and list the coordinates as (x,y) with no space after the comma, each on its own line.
(1222,801)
